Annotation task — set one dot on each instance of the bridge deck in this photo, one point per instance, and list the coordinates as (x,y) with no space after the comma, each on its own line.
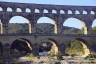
(65,35)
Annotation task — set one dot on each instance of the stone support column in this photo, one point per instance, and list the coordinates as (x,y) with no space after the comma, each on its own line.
(35,49)
(5,28)
(6,50)
(88,24)
(5,21)
(1,28)
(59,24)
(32,26)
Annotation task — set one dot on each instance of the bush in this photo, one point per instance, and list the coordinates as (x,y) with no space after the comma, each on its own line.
(90,56)
(59,56)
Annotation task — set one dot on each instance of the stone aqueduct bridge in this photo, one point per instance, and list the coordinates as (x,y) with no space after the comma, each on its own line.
(58,17)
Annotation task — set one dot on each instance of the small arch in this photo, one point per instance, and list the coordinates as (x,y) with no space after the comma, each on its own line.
(62,12)
(84,12)
(92,12)
(48,46)
(18,10)
(1,9)
(69,12)
(21,47)
(54,11)
(28,10)
(77,12)
(9,9)
(45,11)
(50,25)
(37,11)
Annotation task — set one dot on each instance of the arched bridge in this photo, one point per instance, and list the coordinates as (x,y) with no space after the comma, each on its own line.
(58,13)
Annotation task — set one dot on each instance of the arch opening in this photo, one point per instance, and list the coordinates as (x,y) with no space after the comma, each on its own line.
(21,47)
(69,12)
(54,11)
(46,25)
(9,9)
(37,11)
(62,12)
(92,12)
(84,12)
(93,27)
(28,10)
(19,24)
(74,26)
(45,11)
(77,47)
(1,9)
(77,12)
(18,10)
(48,47)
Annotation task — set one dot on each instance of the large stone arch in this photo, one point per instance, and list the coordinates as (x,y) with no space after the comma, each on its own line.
(79,20)
(49,44)
(84,44)
(52,22)
(18,21)
(21,46)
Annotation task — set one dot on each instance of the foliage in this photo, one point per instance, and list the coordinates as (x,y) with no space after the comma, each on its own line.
(41,28)
(93,30)
(31,56)
(18,28)
(90,56)
(80,32)
(45,28)
(59,56)
(75,48)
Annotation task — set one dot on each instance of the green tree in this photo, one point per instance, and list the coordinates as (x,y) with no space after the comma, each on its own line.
(81,31)
(75,48)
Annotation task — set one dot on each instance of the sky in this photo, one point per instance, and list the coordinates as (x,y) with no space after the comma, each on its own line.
(71,22)
(58,2)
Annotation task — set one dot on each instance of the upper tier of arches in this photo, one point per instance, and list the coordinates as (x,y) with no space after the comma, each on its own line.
(42,8)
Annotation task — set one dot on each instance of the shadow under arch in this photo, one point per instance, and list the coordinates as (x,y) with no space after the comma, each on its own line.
(48,20)
(1,49)
(84,44)
(70,22)
(21,47)
(48,47)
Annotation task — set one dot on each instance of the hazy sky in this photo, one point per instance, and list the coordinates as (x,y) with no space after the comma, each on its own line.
(73,22)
